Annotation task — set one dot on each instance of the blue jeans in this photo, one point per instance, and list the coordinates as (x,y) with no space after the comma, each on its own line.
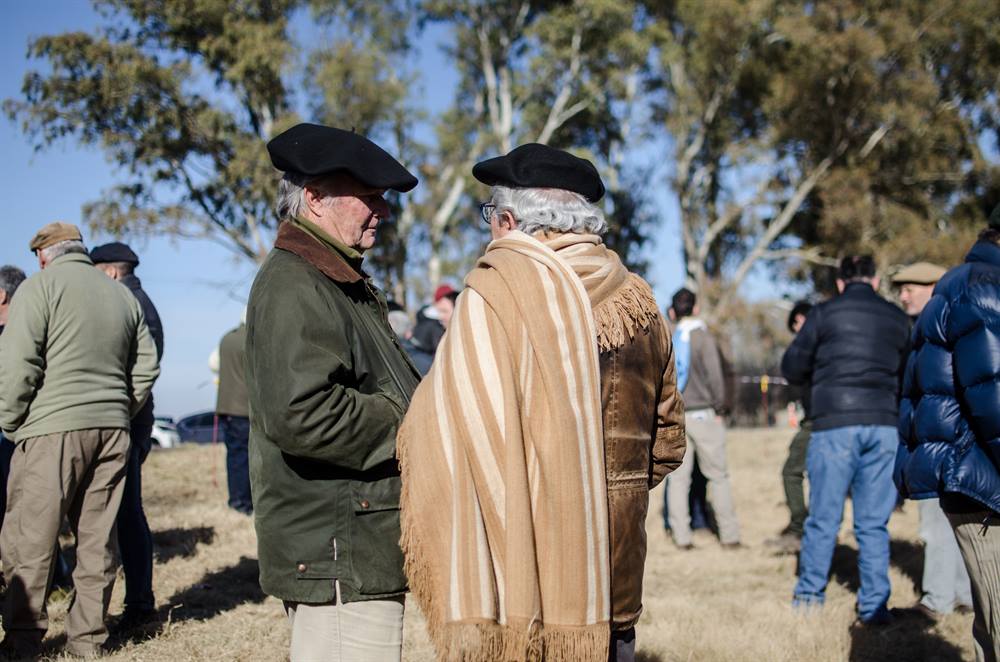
(135,541)
(236,435)
(856,459)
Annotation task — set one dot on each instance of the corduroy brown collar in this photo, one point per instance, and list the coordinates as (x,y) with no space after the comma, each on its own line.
(298,241)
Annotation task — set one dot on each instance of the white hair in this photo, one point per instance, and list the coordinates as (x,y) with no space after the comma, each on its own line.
(62,248)
(291,199)
(550,210)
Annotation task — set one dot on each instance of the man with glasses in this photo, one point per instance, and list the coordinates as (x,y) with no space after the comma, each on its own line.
(550,412)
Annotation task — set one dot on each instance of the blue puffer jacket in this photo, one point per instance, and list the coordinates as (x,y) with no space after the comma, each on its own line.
(949,418)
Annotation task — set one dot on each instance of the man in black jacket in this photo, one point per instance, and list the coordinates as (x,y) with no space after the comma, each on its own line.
(852,350)
(135,541)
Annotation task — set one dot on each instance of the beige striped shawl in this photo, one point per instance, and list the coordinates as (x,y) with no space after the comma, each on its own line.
(504,506)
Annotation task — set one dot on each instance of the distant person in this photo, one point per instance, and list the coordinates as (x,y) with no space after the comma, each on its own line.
(794,470)
(945,581)
(78,363)
(401,325)
(232,406)
(444,302)
(328,387)
(10,278)
(702,383)
(949,421)
(851,352)
(428,330)
(530,449)
(135,541)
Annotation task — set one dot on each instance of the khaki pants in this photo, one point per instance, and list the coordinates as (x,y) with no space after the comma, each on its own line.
(706,438)
(370,630)
(980,547)
(77,475)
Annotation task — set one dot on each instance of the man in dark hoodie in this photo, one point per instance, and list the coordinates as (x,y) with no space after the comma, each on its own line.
(135,541)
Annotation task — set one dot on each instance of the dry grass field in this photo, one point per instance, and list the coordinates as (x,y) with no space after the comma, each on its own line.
(706,604)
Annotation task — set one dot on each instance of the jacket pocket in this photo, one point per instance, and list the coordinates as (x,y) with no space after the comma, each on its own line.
(376,558)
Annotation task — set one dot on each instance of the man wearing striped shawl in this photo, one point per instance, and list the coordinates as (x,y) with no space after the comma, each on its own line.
(529,449)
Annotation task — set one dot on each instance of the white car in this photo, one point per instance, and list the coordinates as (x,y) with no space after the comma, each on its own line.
(165,433)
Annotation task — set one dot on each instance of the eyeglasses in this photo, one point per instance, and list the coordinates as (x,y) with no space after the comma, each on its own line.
(487,209)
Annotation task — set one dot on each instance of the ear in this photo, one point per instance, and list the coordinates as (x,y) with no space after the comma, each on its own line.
(4,299)
(671,314)
(841,285)
(508,219)
(314,198)
(876,281)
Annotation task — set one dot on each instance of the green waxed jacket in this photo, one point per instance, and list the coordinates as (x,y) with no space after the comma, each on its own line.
(328,386)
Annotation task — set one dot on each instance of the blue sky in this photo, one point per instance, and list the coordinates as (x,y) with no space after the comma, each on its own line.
(198,287)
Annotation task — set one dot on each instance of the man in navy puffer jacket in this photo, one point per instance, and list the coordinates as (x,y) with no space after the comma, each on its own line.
(949,421)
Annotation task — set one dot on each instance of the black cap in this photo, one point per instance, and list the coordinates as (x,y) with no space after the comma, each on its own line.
(116,251)
(540,166)
(313,149)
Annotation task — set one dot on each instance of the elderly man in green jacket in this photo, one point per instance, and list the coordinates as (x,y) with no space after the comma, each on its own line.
(77,362)
(328,385)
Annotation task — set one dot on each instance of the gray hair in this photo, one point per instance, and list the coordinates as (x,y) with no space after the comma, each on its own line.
(10,278)
(291,194)
(400,323)
(550,210)
(63,248)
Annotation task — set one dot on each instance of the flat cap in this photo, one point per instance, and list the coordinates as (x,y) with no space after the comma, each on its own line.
(53,233)
(314,149)
(116,251)
(921,273)
(539,166)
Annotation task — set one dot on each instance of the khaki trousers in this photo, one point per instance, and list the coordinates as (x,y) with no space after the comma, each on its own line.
(706,438)
(980,547)
(371,630)
(77,475)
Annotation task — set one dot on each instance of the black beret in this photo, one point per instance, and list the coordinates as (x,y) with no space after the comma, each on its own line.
(540,166)
(116,251)
(313,149)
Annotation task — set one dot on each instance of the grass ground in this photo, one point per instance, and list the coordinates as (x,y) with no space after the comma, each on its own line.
(707,604)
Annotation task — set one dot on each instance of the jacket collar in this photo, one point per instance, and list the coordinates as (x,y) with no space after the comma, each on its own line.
(859,287)
(984,251)
(301,243)
(132,282)
(66,258)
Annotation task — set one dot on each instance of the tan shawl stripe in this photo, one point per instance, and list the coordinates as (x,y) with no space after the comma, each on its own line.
(567,574)
(589,431)
(563,325)
(520,568)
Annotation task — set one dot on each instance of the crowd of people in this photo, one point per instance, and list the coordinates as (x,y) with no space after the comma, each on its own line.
(494,455)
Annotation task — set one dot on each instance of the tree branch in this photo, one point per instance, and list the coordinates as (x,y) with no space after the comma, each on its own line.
(557,114)
(810,255)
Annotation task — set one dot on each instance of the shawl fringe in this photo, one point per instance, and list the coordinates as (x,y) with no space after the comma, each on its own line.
(619,317)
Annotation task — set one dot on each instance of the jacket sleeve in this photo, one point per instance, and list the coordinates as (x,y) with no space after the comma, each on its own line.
(797,363)
(670,443)
(144,364)
(715,376)
(22,353)
(303,386)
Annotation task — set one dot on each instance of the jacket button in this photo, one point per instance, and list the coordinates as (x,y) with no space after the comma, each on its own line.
(365,504)
(302,567)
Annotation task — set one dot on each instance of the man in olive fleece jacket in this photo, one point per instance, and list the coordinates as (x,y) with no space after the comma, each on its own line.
(76,363)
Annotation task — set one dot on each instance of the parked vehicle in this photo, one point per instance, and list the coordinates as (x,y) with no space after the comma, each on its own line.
(198,428)
(165,432)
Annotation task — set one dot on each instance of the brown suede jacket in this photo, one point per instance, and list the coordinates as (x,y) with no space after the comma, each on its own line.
(643,442)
